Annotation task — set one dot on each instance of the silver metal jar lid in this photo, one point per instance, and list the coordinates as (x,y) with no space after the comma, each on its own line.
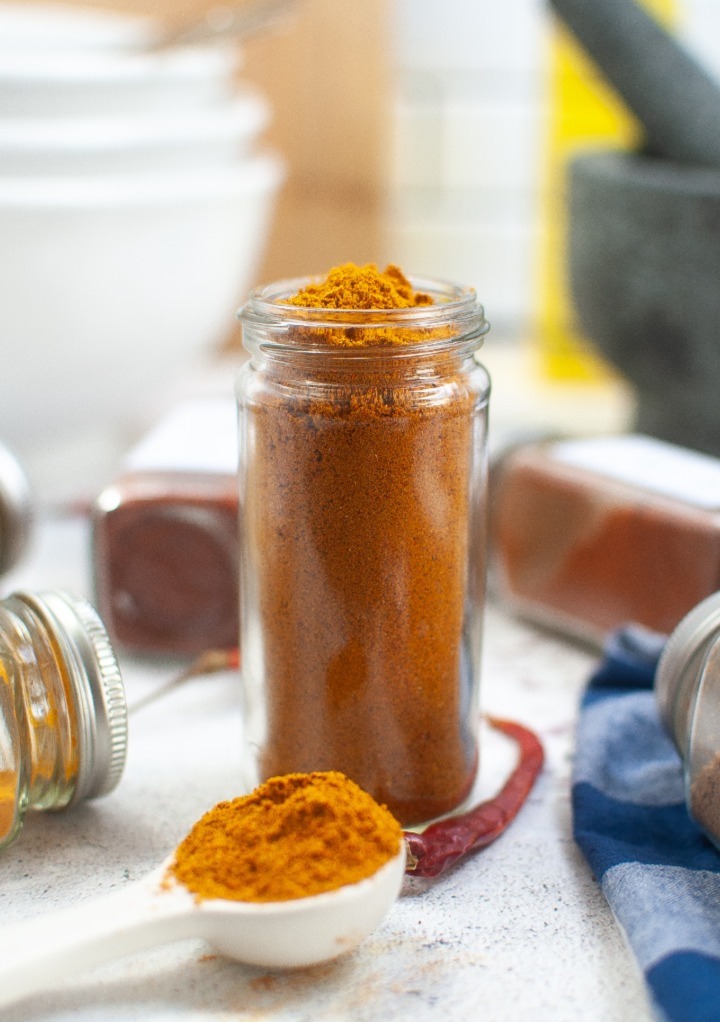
(15,510)
(680,666)
(101,705)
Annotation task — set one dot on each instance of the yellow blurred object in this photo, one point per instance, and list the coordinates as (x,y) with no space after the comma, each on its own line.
(584,112)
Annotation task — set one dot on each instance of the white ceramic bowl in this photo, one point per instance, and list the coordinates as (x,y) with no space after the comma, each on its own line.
(64,27)
(92,83)
(66,62)
(113,286)
(153,140)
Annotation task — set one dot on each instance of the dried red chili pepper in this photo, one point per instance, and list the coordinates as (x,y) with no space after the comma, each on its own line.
(443,843)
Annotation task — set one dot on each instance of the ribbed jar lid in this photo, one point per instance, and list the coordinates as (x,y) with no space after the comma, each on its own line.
(100,694)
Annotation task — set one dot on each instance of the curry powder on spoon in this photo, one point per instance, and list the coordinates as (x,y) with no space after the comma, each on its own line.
(292,837)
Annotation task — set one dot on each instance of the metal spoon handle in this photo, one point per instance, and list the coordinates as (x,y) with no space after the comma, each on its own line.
(40,952)
(230,21)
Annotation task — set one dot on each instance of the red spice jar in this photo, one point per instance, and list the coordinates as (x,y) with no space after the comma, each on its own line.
(165,536)
(591,534)
(363,531)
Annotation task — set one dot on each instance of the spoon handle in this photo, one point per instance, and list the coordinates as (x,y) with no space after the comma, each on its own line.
(676,100)
(37,953)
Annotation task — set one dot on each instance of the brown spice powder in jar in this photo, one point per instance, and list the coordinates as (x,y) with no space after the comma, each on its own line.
(705,797)
(365,553)
(587,550)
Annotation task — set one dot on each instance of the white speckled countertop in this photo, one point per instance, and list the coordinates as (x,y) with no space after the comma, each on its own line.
(519,932)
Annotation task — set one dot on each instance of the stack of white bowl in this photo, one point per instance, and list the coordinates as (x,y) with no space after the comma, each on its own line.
(134,204)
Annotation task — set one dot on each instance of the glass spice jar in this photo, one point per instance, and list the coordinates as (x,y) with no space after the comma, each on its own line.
(165,535)
(591,534)
(363,541)
(687,689)
(63,718)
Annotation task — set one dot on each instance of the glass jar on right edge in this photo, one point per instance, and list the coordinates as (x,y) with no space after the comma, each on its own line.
(363,504)
(687,688)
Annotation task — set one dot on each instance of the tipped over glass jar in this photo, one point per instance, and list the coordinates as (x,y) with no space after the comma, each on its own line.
(363,505)
(687,687)
(63,717)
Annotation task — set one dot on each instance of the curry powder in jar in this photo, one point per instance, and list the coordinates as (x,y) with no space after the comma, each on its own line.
(363,535)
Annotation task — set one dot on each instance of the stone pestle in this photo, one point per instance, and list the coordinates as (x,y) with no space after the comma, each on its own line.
(676,101)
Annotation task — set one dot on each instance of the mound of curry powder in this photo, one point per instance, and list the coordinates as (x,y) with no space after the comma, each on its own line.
(292,837)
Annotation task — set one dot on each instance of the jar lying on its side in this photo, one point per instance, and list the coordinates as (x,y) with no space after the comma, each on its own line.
(165,536)
(687,687)
(363,503)
(63,718)
(590,534)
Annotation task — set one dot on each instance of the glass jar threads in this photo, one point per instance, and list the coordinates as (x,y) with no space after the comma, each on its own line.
(363,535)
(63,718)
(687,687)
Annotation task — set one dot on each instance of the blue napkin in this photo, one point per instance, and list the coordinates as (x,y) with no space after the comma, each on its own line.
(659,873)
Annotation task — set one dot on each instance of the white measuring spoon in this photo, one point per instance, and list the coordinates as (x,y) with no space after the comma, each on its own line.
(39,952)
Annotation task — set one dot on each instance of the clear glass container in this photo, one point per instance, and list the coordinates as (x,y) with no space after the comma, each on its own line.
(687,687)
(590,534)
(363,540)
(63,718)
(165,536)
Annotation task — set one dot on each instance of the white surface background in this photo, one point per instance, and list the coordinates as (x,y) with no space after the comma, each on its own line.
(519,932)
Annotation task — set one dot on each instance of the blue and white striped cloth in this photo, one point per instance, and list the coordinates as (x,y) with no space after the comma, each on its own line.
(659,873)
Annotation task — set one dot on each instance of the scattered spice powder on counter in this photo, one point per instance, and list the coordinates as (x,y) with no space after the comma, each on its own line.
(292,837)
(364,534)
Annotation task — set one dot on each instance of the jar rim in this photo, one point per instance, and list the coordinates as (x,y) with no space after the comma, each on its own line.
(454,303)
(678,670)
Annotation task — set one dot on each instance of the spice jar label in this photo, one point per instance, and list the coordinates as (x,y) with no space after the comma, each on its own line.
(196,436)
(652,464)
